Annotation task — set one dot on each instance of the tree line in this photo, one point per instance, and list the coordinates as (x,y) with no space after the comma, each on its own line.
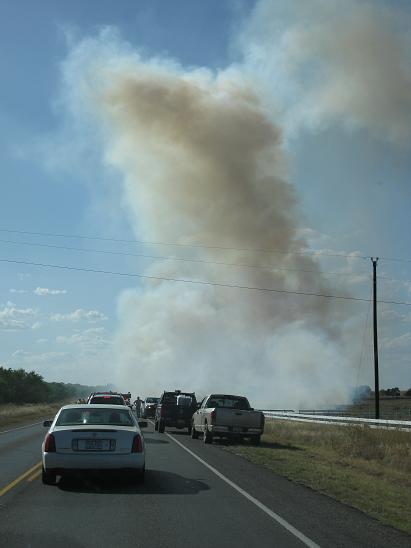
(20,386)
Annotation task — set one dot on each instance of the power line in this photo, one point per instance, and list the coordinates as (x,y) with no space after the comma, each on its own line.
(184,259)
(177,244)
(197,282)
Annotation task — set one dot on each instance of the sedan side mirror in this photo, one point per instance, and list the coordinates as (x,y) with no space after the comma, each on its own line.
(47,423)
(142,424)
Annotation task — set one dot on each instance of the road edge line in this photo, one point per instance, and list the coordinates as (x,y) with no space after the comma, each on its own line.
(281,521)
(20,427)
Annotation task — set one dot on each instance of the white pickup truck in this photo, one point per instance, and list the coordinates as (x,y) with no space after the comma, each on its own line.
(224,415)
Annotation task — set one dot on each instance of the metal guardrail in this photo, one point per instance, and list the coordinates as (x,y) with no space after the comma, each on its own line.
(326,419)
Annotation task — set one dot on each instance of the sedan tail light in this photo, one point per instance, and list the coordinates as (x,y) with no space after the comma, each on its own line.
(137,446)
(50,444)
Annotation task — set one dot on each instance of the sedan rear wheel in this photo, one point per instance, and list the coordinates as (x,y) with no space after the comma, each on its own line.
(48,478)
(139,475)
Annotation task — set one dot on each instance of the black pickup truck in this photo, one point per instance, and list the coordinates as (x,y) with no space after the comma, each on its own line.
(175,409)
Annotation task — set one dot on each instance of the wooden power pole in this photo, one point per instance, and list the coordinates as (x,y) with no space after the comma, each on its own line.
(377,384)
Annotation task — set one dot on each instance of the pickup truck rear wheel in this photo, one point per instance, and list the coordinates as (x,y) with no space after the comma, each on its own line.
(255,440)
(194,433)
(208,436)
(161,426)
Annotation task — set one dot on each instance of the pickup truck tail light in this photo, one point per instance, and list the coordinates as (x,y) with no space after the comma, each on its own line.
(162,412)
(137,446)
(50,444)
(213,416)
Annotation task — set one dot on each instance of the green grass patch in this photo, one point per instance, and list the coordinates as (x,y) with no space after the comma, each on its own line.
(369,469)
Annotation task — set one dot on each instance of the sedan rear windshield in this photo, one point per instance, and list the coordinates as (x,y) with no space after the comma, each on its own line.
(113,417)
(110,400)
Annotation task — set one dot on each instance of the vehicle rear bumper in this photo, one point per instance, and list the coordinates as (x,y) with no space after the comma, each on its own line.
(231,431)
(90,461)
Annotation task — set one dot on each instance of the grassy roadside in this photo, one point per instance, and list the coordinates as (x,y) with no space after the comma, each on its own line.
(369,469)
(15,415)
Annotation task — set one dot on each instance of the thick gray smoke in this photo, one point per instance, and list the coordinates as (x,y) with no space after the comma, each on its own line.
(204,164)
(331,62)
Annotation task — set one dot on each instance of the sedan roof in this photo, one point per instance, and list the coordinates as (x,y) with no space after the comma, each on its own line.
(93,406)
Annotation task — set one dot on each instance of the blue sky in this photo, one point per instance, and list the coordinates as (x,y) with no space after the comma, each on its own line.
(348,166)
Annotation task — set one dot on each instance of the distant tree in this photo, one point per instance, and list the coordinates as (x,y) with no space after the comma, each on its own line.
(408,392)
(19,386)
(394,392)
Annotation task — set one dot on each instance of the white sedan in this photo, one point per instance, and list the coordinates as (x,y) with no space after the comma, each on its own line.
(93,437)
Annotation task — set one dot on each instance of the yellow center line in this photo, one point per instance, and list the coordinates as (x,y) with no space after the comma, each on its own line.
(34,476)
(19,479)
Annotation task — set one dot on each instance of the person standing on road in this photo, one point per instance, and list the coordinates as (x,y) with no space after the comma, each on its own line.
(138,406)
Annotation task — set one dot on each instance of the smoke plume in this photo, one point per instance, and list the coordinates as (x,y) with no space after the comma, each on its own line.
(202,164)
(331,62)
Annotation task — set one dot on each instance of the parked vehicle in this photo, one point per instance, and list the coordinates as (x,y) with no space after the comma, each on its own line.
(93,437)
(149,407)
(224,415)
(127,399)
(175,409)
(107,398)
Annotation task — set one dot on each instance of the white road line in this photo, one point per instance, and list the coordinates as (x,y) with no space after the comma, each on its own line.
(20,427)
(305,540)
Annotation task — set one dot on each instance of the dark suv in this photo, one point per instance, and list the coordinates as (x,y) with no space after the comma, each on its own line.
(175,409)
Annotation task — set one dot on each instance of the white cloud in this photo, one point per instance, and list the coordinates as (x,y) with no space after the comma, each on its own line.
(33,359)
(91,316)
(91,340)
(18,290)
(46,291)
(13,318)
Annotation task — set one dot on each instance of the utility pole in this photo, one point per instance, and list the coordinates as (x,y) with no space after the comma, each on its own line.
(377,384)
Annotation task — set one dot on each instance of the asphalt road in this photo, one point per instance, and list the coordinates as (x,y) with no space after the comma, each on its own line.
(218,501)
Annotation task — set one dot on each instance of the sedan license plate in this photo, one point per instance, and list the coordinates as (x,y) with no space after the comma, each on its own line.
(94,445)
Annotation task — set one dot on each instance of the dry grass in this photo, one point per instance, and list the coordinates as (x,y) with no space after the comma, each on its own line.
(369,469)
(12,414)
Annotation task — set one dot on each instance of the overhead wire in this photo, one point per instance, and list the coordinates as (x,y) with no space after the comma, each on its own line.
(196,282)
(180,244)
(183,259)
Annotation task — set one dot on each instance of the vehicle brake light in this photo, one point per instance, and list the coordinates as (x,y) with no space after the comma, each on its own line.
(106,397)
(137,446)
(213,416)
(50,444)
